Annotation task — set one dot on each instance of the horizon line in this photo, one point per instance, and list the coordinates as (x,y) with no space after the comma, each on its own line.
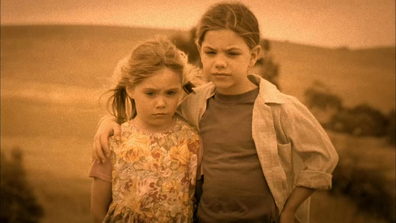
(340,47)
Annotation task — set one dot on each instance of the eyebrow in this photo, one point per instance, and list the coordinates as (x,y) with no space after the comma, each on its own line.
(156,89)
(229,49)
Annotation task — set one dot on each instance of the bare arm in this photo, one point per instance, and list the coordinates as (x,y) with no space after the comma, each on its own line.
(100,199)
(107,127)
(296,198)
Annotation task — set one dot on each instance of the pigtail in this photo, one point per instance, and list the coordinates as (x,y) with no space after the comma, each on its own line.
(121,105)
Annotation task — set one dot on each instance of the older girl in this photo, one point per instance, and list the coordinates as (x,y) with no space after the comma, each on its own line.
(264,152)
(150,176)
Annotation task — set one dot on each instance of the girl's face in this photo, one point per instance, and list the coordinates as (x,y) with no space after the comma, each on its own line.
(226,59)
(156,99)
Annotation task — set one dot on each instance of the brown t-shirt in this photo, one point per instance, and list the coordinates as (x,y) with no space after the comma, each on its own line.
(234,188)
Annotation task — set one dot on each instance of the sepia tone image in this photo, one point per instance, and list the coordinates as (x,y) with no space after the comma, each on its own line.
(60,58)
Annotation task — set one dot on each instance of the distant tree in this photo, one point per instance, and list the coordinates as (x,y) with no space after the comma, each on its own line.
(186,43)
(366,187)
(362,120)
(18,203)
(320,96)
(266,66)
(391,130)
(265,45)
(370,120)
(322,102)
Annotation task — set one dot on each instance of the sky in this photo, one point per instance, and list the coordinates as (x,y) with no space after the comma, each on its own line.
(327,23)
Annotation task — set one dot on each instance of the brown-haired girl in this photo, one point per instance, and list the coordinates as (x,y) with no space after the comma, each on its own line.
(150,176)
(264,152)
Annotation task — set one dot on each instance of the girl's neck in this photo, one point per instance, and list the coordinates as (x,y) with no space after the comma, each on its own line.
(242,88)
(152,129)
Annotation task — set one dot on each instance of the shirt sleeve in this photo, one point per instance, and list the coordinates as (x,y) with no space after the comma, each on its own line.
(102,171)
(312,144)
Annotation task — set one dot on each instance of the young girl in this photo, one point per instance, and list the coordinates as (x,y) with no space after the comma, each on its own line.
(264,152)
(150,176)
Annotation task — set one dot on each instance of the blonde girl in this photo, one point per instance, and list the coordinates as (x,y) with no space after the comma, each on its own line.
(150,175)
(264,152)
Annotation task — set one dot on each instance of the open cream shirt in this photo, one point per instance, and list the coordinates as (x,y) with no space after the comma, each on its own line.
(293,148)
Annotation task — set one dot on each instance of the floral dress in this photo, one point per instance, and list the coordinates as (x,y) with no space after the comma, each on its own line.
(153,177)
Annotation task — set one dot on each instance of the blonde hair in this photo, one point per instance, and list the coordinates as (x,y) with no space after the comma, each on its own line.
(234,16)
(146,58)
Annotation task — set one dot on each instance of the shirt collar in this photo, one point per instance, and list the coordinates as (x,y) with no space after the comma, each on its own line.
(268,91)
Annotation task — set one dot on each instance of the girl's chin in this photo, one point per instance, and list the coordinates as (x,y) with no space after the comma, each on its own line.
(221,83)
(225,89)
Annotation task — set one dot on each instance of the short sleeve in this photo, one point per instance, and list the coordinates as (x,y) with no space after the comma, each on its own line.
(102,171)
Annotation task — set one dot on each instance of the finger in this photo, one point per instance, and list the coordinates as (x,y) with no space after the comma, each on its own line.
(117,133)
(105,146)
(96,148)
(95,144)
(99,151)
(93,154)
(98,161)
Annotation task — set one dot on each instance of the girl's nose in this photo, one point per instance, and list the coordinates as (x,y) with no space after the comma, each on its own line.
(161,102)
(220,62)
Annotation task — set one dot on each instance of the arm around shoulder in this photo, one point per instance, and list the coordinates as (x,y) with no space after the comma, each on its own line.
(107,127)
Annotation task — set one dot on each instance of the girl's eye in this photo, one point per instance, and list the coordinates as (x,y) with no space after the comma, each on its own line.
(233,54)
(150,93)
(210,52)
(171,92)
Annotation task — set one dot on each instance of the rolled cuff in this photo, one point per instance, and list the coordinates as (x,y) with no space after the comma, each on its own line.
(101,171)
(314,179)
(100,176)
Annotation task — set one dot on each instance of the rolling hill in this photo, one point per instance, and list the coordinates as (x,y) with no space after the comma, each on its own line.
(85,56)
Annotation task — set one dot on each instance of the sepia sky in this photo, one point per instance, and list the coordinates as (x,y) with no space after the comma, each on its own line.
(329,23)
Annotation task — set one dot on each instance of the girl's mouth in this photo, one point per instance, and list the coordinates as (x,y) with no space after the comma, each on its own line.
(221,75)
(159,115)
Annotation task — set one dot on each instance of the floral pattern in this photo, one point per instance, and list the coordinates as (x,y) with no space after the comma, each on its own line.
(153,176)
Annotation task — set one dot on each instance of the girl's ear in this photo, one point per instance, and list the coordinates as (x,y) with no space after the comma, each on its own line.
(255,54)
(198,47)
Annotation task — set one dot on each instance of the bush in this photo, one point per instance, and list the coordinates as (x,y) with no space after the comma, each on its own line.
(18,203)
(266,66)
(391,130)
(361,120)
(320,96)
(187,45)
(366,188)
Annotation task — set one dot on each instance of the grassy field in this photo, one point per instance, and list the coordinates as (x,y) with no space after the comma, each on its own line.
(52,78)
